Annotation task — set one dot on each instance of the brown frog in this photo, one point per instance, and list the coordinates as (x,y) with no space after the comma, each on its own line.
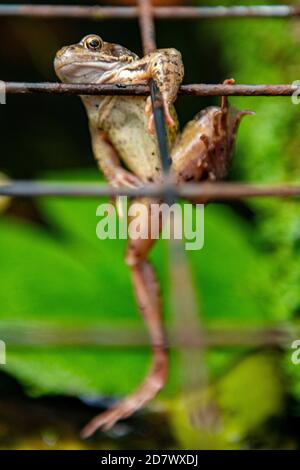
(125,147)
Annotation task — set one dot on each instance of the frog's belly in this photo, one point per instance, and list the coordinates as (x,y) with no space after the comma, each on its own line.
(126,127)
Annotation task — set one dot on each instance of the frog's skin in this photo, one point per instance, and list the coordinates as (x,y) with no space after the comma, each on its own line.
(122,134)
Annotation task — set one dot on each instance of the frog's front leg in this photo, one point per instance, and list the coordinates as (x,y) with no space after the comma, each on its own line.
(148,299)
(164,66)
(109,161)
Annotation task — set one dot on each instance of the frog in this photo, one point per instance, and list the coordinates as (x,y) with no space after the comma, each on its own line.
(125,148)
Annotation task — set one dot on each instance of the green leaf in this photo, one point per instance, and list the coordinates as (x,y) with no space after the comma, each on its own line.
(66,276)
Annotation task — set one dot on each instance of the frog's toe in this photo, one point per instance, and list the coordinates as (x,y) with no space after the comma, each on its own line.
(151,126)
(103,421)
(125,178)
(169,119)
(229,81)
(108,419)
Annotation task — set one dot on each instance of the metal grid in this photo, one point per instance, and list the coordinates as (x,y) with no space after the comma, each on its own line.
(182,12)
(211,191)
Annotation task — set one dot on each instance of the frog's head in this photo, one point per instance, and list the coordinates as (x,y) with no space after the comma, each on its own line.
(90,59)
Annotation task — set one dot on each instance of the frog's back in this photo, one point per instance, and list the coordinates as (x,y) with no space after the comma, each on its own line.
(126,127)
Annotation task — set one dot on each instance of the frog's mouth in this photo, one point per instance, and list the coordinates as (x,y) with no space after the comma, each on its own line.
(83,71)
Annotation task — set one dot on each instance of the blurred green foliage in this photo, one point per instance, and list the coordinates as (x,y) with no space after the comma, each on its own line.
(237,404)
(66,276)
(269,149)
(269,146)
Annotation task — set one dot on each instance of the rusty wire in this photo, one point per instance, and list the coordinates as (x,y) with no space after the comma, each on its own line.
(191,90)
(164,12)
(147,29)
(146,23)
(197,191)
(185,309)
(37,335)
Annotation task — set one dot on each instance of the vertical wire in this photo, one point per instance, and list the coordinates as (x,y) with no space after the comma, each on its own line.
(147,28)
(182,294)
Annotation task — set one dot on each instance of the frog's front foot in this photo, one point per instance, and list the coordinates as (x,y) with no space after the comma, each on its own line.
(150,116)
(123,178)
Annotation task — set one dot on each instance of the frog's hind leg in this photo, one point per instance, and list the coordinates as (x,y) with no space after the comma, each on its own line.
(203,150)
(148,298)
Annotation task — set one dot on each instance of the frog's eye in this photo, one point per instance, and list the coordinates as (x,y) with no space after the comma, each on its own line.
(94,43)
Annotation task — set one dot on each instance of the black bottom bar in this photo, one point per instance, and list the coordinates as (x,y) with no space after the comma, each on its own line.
(136,459)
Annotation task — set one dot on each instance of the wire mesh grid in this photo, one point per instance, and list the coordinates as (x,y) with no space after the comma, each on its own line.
(146,13)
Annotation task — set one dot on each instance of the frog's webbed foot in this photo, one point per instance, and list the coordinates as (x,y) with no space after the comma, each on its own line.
(227,109)
(146,392)
(224,99)
(205,146)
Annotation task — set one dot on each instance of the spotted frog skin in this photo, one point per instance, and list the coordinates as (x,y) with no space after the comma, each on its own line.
(125,148)
(126,122)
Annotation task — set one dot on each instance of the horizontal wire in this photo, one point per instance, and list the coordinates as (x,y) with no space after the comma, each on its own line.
(192,90)
(130,12)
(196,191)
(44,336)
